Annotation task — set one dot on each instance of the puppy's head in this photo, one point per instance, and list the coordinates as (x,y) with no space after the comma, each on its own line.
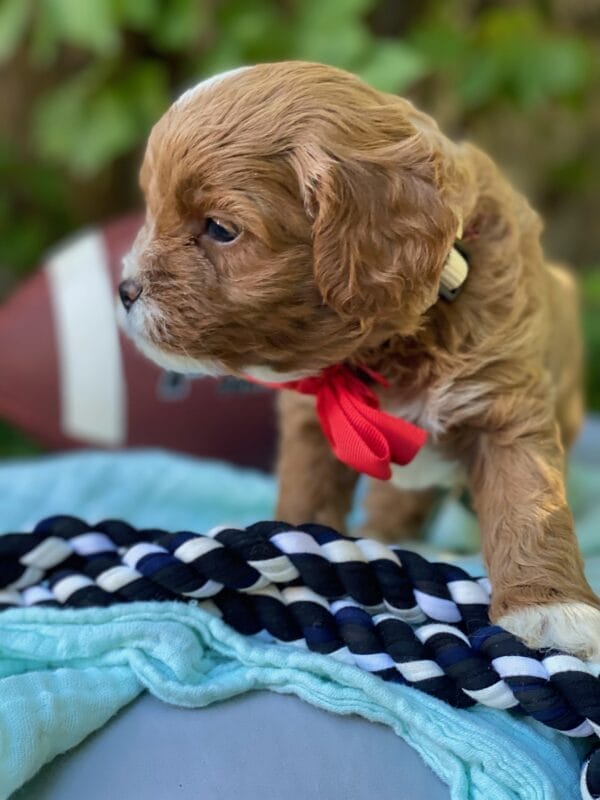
(293,214)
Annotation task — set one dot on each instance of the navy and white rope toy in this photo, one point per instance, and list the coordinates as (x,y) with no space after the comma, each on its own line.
(386,610)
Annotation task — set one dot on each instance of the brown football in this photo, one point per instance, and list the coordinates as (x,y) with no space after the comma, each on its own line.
(70,378)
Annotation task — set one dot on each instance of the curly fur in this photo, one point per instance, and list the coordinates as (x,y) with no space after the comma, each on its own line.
(347,201)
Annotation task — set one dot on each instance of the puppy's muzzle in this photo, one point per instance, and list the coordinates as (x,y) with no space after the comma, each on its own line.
(129,291)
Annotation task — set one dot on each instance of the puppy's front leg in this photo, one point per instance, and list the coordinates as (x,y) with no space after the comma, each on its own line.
(313,485)
(529,545)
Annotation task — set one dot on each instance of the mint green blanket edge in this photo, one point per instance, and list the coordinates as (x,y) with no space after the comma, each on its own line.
(51,699)
(65,673)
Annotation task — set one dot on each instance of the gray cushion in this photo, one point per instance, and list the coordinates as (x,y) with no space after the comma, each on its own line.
(260,745)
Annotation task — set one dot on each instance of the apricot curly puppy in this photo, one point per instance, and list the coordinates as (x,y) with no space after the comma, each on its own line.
(297,219)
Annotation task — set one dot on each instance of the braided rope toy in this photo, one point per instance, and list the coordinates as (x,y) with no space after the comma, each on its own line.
(386,610)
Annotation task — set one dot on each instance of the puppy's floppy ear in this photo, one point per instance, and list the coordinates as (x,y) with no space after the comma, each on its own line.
(381,227)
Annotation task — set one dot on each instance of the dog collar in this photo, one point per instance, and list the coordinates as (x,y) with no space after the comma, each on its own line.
(454,275)
(455,270)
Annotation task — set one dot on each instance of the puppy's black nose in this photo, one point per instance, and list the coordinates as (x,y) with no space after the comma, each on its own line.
(129,291)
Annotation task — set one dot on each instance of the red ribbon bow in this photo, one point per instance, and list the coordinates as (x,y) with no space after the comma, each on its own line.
(360,434)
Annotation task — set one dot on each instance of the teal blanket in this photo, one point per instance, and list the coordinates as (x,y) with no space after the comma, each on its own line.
(63,674)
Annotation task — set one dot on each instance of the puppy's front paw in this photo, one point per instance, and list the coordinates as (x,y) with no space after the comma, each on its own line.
(573,627)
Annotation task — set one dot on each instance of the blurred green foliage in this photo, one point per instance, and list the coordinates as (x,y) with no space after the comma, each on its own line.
(131,53)
(84,80)
(590,284)
(110,67)
(14,444)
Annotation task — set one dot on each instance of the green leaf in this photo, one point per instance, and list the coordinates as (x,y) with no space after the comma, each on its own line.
(106,131)
(590,293)
(332,32)
(345,47)
(90,24)
(481,80)
(551,68)
(45,36)
(14,15)
(180,26)
(394,66)
(226,57)
(82,124)
(145,89)
(590,290)
(14,444)
(252,32)
(442,44)
(333,14)
(140,15)
(514,54)
(91,120)
(57,116)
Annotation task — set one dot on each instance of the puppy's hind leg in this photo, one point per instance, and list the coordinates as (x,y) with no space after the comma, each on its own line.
(394,514)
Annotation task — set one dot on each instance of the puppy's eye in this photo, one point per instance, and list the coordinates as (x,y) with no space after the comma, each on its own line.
(219,233)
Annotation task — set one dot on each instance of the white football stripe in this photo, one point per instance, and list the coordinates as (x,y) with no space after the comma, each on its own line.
(91,373)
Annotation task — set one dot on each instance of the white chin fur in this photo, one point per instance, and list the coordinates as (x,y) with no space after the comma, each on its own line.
(175,362)
(268,375)
(134,325)
(572,627)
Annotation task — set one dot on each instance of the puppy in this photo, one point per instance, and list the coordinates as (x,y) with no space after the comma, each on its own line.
(298,219)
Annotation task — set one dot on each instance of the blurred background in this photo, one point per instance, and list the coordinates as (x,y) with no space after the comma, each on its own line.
(82,82)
